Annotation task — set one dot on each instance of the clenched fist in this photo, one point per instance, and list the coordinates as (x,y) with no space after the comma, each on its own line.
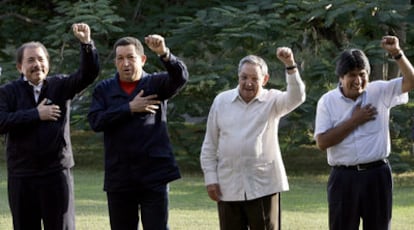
(156,43)
(82,32)
(391,45)
(285,55)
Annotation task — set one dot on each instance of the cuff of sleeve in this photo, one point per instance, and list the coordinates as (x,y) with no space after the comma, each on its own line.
(171,59)
(88,46)
(210,178)
(166,54)
(125,109)
(33,115)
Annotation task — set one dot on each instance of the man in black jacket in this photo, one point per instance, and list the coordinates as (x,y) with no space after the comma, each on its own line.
(131,110)
(34,115)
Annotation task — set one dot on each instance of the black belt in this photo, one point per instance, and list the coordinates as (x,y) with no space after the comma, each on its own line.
(362,167)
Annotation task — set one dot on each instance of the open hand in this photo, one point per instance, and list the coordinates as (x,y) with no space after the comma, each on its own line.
(364,114)
(48,112)
(144,104)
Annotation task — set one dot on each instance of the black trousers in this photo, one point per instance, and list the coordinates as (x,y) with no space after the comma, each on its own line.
(125,208)
(355,195)
(259,214)
(36,199)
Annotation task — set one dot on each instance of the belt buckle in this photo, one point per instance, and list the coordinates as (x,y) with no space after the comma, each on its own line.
(360,168)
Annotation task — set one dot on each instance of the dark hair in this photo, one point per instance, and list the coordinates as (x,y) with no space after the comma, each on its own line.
(20,50)
(350,60)
(130,41)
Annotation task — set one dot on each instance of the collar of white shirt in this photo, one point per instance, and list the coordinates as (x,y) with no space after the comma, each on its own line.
(36,88)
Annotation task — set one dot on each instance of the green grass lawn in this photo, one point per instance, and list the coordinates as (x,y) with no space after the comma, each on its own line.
(304,206)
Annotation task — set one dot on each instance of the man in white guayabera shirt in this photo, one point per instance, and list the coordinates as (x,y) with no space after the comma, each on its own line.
(352,125)
(240,156)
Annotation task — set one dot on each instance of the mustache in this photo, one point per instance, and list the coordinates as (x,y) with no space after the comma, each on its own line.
(35,69)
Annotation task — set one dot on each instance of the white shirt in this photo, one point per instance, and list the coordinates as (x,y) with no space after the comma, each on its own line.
(368,142)
(36,88)
(241,151)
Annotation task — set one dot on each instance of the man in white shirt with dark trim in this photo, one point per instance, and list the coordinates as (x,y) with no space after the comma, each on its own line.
(352,125)
(240,156)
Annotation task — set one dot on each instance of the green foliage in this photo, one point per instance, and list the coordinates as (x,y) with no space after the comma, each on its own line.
(317,31)
(211,37)
(100,15)
(186,139)
(52,26)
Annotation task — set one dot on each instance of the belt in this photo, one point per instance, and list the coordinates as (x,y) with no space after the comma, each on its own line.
(362,167)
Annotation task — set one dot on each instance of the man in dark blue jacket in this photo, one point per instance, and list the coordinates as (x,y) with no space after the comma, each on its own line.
(34,115)
(131,110)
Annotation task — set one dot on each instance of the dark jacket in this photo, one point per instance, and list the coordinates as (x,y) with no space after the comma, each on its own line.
(36,147)
(138,152)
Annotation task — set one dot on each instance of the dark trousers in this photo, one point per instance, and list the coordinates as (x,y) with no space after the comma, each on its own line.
(34,200)
(124,208)
(69,216)
(366,194)
(259,214)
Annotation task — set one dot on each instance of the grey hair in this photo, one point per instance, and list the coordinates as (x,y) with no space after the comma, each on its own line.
(256,60)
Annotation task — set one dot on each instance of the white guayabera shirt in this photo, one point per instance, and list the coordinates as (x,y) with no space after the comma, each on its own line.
(241,151)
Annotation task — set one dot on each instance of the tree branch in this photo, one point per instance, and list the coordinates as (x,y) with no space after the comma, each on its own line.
(21,17)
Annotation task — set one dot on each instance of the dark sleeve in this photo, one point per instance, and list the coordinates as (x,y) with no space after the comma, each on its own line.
(174,80)
(101,115)
(10,117)
(88,70)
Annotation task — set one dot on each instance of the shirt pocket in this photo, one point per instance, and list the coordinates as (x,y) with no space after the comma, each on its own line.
(371,127)
(264,178)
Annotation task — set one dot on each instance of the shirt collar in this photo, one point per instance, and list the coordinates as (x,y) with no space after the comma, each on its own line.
(361,98)
(38,87)
(236,95)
